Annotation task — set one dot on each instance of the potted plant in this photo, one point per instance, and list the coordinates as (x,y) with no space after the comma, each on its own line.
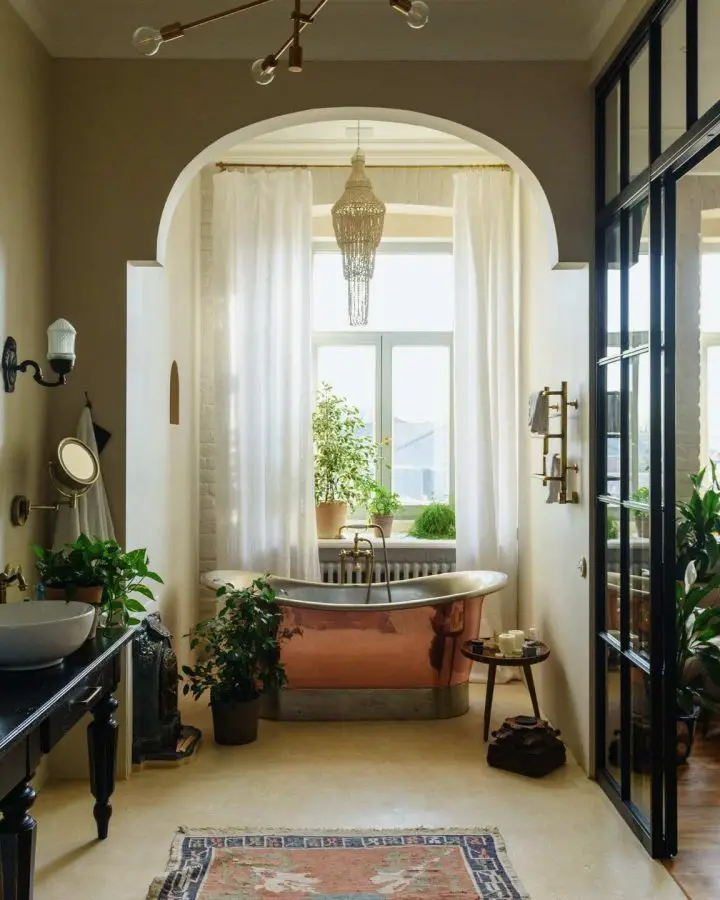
(382,504)
(344,460)
(698,525)
(435,522)
(698,654)
(99,573)
(239,659)
(642,518)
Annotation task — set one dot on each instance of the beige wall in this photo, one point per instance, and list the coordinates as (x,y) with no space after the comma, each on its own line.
(553,595)
(24,265)
(124,130)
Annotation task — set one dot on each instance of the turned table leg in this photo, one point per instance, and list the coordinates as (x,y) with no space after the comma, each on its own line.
(531,688)
(102,748)
(489,699)
(17,843)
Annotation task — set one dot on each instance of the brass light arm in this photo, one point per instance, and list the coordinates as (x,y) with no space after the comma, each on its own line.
(177,29)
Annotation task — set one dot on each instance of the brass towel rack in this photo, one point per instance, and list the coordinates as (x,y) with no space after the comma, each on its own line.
(560,408)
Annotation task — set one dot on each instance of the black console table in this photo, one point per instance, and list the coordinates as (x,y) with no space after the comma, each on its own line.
(36,710)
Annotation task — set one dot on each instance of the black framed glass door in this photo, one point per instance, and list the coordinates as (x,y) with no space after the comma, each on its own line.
(649,137)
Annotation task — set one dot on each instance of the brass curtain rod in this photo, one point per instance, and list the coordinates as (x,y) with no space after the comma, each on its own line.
(225,166)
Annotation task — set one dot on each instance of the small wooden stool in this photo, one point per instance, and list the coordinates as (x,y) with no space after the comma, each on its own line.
(494,659)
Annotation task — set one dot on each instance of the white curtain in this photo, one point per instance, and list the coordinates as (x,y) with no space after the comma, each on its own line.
(262,290)
(486,382)
(91,515)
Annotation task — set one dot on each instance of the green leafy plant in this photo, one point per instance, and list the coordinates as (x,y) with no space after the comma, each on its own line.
(87,562)
(696,628)
(613,529)
(381,500)
(641,495)
(344,458)
(698,525)
(435,522)
(240,647)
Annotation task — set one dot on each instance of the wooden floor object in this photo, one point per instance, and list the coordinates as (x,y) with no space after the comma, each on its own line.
(697,866)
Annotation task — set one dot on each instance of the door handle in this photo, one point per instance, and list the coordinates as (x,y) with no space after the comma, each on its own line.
(87,700)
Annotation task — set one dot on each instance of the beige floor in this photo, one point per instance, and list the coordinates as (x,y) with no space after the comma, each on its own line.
(564,838)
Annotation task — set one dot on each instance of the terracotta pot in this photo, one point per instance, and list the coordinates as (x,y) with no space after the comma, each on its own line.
(90,594)
(642,526)
(330,518)
(385,522)
(235,721)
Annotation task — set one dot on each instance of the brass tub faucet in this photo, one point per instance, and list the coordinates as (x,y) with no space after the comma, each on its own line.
(368,555)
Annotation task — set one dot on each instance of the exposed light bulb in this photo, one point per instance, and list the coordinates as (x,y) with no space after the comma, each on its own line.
(147,40)
(261,72)
(419,14)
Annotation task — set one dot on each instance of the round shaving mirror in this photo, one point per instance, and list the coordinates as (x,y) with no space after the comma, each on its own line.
(74,469)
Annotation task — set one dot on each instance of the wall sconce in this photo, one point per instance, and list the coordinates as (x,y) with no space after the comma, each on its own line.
(74,469)
(61,356)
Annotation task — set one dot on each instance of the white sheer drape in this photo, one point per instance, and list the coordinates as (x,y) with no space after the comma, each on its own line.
(262,289)
(486,383)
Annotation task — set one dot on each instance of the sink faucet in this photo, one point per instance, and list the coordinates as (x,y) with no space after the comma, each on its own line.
(368,555)
(10,575)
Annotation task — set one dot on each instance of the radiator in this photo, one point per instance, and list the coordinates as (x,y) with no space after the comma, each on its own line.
(399,571)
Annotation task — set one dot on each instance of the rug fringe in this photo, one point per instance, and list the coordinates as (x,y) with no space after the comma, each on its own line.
(184,831)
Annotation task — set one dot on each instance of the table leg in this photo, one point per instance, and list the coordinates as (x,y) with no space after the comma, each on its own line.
(531,689)
(17,843)
(489,699)
(102,748)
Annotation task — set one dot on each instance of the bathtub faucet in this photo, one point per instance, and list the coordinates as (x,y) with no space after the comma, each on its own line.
(368,555)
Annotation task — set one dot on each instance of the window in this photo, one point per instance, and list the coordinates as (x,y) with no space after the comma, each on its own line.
(398,370)
(710,344)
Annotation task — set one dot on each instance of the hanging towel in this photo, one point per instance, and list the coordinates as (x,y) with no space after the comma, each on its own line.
(92,513)
(538,413)
(553,467)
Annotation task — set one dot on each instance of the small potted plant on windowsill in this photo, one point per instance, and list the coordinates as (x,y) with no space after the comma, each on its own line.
(382,505)
(642,519)
(239,659)
(435,523)
(344,459)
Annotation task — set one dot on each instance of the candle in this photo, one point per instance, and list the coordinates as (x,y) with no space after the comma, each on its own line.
(518,640)
(532,634)
(506,643)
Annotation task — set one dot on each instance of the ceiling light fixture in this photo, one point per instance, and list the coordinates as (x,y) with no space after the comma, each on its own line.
(148,41)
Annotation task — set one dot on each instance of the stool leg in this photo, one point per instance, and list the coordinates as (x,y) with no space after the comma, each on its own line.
(489,699)
(531,689)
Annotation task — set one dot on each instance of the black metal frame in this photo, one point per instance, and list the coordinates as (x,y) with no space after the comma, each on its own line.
(658,183)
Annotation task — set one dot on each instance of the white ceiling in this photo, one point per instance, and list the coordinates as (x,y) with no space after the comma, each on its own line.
(345,30)
(384,144)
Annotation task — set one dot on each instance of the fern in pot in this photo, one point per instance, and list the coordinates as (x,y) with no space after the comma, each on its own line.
(239,659)
(382,506)
(344,460)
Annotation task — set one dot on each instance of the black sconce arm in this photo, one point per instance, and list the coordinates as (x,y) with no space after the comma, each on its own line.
(38,376)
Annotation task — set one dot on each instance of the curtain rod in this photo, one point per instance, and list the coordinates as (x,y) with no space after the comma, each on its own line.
(225,166)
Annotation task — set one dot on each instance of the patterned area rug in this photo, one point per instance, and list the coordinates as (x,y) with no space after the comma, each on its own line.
(225,864)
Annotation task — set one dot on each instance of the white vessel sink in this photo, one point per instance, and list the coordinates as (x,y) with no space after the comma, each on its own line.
(41,633)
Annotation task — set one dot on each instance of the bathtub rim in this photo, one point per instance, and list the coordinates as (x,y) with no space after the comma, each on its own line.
(498,582)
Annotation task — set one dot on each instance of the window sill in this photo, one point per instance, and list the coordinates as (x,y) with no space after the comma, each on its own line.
(394,542)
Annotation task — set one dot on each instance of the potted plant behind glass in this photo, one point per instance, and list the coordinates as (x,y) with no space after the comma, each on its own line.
(382,504)
(344,460)
(99,573)
(240,660)
(642,519)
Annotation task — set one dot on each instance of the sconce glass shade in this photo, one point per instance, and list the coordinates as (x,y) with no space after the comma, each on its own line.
(61,341)
(419,14)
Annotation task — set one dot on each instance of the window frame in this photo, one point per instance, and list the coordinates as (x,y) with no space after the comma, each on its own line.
(384,343)
(708,339)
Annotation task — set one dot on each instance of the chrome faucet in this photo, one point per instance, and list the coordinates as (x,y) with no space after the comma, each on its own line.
(368,555)
(10,575)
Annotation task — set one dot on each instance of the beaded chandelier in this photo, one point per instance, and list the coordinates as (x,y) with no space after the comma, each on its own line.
(358,218)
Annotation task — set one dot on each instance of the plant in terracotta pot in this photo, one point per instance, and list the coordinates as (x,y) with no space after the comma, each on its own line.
(382,506)
(344,460)
(100,573)
(239,659)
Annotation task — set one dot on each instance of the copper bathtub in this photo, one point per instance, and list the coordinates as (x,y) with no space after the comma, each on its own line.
(377,660)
